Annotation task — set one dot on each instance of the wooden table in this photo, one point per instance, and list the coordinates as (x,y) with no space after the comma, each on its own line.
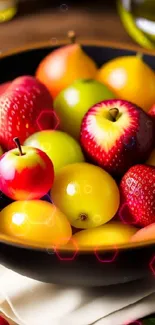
(92,22)
(98,22)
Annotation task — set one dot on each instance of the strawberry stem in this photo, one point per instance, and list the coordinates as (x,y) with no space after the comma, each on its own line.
(114,113)
(18,145)
(72,36)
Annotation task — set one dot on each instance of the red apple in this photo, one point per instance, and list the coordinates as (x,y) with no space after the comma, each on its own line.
(21,107)
(137,190)
(116,134)
(26,173)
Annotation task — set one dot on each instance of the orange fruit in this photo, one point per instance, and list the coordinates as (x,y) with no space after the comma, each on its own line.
(60,68)
(130,78)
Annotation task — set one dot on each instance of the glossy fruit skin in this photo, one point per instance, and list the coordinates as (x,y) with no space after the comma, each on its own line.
(130,78)
(116,146)
(21,107)
(111,233)
(137,190)
(26,177)
(144,234)
(83,189)
(3,321)
(61,148)
(35,221)
(74,101)
(64,65)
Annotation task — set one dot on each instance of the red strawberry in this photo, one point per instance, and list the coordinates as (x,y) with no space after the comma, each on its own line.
(20,107)
(3,321)
(137,190)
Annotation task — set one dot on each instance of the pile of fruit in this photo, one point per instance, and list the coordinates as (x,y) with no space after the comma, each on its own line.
(78,151)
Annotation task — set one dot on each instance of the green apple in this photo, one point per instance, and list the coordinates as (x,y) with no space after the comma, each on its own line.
(1,151)
(73,102)
(61,148)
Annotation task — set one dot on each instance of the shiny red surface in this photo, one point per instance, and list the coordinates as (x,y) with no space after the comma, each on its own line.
(33,181)
(21,104)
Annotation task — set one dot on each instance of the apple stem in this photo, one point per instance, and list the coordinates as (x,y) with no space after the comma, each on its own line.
(114,113)
(18,145)
(139,55)
(72,36)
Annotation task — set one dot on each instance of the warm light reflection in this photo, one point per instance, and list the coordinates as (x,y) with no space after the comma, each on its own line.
(146,26)
(56,68)
(71,189)
(72,97)
(118,78)
(18,218)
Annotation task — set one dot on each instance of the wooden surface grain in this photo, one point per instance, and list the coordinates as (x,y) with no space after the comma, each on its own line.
(89,22)
(99,22)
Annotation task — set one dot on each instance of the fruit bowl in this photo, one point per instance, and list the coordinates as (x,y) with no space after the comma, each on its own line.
(87,267)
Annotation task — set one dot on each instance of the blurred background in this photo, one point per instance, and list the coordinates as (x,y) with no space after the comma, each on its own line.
(123,21)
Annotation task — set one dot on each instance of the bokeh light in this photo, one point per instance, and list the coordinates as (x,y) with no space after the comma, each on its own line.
(71,255)
(64,7)
(149,124)
(125,216)
(107,256)
(47,119)
(88,189)
(129,142)
(54,41)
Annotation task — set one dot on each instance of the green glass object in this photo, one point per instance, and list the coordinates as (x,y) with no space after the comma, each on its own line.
(148,321)
(8,9)
(138,17)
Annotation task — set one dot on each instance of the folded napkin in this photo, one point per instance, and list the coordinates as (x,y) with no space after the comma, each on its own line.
(29,302)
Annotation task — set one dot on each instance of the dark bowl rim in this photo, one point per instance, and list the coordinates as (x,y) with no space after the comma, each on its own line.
(96,43)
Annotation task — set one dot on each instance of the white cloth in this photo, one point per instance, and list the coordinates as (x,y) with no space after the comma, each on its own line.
(29,302)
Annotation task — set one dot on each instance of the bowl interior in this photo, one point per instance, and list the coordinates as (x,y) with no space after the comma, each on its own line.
(24,62)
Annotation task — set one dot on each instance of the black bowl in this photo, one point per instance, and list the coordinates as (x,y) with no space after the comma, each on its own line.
(86,268)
